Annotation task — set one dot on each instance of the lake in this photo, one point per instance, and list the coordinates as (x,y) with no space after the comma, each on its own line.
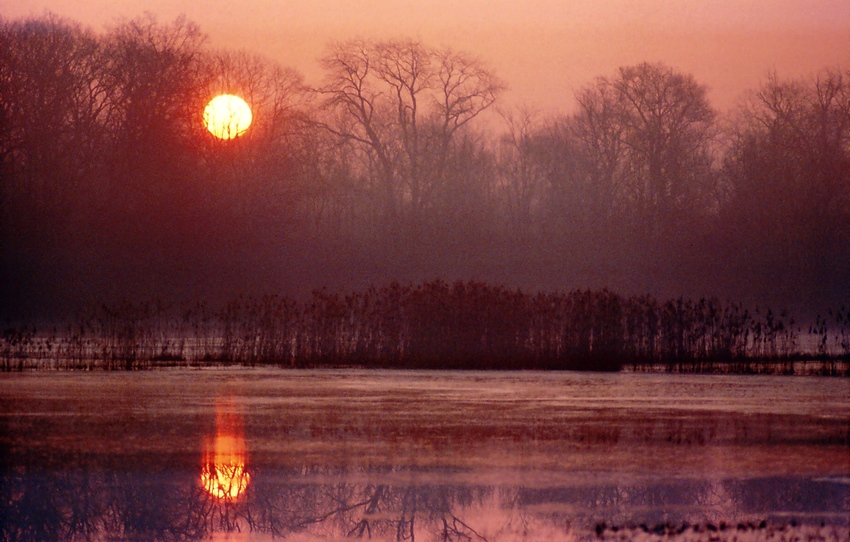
(260,454)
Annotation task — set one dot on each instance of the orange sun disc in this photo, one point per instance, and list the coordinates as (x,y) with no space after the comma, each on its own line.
(227,116)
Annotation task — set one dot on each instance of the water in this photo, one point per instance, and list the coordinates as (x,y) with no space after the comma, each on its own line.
(245,454)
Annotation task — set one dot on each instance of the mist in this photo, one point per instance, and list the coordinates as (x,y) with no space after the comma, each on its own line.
(401,164)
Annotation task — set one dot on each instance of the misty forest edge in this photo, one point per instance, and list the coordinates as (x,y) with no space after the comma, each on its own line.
(111,189)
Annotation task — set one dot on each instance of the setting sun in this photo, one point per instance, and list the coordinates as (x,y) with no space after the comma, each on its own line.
(227,116)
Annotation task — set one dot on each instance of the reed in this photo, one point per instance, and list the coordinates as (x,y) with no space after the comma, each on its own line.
(437,325)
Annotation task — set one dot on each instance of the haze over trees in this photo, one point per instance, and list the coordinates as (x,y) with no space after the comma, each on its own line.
(112,187)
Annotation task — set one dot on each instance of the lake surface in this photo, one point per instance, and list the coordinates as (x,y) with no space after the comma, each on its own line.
(257,454)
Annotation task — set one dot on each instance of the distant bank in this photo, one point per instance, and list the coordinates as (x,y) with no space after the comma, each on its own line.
(437,325)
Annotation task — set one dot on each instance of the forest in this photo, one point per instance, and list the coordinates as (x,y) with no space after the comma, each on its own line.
(402,164)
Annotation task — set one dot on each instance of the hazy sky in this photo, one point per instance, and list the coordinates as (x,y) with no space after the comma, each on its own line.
(543,49)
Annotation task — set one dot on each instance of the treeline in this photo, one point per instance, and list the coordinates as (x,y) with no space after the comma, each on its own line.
(112,187)
(435,325)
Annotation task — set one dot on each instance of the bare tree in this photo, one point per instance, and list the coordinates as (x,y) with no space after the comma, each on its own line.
(669,127)
(154,75)
(50,111)
(402,105)
(521,168)
(791,147)
(464,89)
(599,134)
(406,68)
(644,145)
(788,176)
(265,169)
(358,114)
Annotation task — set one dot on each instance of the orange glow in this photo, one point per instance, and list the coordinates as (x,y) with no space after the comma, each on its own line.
(224,471)
(227,116)
(544,50)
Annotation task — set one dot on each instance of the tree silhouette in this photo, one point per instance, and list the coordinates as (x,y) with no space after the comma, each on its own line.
(788,179)
(403,105)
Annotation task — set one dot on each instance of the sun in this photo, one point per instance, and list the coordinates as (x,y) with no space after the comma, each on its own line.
(227,116)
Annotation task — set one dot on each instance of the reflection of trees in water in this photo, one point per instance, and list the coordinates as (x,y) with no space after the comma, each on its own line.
(78,504)
(367,510)
(171,505)
(167,505)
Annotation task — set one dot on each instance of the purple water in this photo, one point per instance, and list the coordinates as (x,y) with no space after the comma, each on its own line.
(424,455)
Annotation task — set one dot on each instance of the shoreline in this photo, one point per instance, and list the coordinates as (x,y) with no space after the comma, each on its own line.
(798,366)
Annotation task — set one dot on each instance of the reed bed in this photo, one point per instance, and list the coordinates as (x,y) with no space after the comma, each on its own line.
(437,325)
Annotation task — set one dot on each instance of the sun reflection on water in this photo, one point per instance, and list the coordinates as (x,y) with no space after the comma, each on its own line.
(224,472)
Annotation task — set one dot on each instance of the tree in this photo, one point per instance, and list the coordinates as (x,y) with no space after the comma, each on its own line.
(155,78)
(108,175)
(791,147)
(358,114)
(787,178)
(401,106)
(669,125)
(582,159)
(264,170)
(599,134)
(51,135)
(645,141)
(522,168)
(51,109)
(464,88)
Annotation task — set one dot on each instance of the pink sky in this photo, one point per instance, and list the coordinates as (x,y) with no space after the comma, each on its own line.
(543,49)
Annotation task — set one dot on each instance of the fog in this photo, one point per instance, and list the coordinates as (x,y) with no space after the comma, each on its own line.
(401,162)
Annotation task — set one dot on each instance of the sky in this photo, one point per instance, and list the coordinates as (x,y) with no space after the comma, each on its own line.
(544,50)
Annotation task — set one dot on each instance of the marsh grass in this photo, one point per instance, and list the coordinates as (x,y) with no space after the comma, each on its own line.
(436,325)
